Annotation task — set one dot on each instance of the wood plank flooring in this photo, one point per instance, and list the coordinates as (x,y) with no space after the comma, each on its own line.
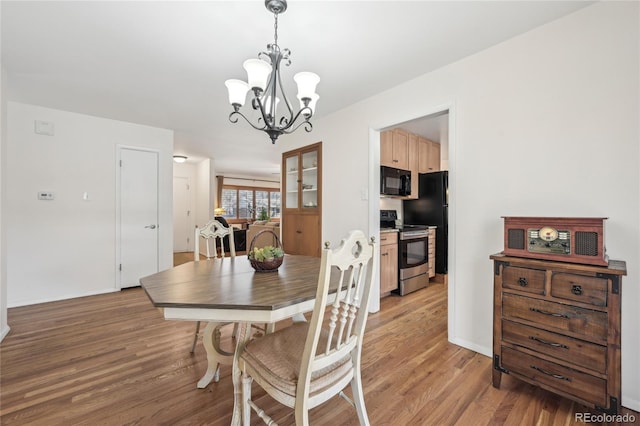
(112,359)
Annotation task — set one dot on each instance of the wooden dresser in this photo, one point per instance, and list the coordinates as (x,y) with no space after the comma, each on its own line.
(557,325)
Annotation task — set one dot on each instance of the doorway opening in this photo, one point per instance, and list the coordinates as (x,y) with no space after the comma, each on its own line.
(435,126)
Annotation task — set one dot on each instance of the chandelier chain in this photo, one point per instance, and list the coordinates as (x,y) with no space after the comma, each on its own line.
(275,28)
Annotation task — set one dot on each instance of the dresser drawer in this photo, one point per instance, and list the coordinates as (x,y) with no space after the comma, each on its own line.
(579,352)
(581,385)
(580,288)
(523,279)
(583,323)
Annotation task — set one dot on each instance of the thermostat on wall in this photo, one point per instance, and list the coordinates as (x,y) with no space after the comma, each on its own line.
(42,195)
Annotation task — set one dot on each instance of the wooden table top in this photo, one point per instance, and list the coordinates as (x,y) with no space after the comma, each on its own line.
(231,283)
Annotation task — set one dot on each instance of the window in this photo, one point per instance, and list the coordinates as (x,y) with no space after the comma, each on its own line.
(242,203)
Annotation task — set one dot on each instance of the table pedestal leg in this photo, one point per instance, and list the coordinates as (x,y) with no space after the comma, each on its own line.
(215,356)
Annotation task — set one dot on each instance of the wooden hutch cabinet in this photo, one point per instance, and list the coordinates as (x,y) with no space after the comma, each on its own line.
(557,325)
(302,200)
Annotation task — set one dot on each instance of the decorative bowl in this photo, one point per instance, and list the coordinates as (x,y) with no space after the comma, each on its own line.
(268,258)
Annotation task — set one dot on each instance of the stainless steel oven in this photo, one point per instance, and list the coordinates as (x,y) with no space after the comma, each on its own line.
(413,259)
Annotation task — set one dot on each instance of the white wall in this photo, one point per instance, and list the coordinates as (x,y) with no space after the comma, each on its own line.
(4,325)
(66,247)
(544,124)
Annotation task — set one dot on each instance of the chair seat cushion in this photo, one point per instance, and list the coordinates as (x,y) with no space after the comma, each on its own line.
(276,359)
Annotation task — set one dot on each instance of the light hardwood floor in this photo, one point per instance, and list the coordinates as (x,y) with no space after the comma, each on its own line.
(113,360)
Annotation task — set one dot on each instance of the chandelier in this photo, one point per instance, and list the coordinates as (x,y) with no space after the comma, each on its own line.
(263,75)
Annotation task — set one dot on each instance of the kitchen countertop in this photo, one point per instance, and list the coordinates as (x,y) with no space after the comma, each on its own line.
(384,230)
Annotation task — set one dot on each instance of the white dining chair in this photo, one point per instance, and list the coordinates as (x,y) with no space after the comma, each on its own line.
(307,363)
(213,232)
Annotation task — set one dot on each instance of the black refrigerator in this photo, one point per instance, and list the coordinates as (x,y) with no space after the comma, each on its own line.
(432,208)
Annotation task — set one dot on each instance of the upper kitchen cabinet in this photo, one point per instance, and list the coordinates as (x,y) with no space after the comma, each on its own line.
(394,149)
(414,164)
(429,155)
(302,200)
(434,157)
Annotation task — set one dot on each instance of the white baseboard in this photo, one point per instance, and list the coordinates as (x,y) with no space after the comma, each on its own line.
(65,297)
(473,347)
(4,332)
(632,404)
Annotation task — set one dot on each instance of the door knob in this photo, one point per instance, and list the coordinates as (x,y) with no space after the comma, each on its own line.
(150,226)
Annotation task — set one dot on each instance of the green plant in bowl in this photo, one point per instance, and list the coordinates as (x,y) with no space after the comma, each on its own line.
(265,253)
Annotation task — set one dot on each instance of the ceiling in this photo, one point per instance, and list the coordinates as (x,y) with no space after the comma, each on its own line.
(164,64)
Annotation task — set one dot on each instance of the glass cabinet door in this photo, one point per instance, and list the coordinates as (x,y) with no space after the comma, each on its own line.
(310,179)
(302,179)
(291,182)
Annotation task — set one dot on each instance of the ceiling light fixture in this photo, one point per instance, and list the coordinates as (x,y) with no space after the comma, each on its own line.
(179,158)
(264,80)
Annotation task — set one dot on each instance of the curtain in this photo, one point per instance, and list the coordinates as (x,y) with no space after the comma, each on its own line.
(219,183)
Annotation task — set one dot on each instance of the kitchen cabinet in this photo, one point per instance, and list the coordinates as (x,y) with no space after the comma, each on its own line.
(394,149)
(407,151)
(428,155)
(423,154)
(431,252)
(433,160)
(388,262)
(302,200)
(414,165)
(556,325)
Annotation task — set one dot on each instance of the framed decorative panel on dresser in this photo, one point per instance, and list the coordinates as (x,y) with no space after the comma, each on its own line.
(557,325)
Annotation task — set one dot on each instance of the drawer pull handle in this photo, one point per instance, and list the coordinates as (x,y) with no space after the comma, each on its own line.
(522,281)
(553,314)
(577,290)
(544,342)
(555,376)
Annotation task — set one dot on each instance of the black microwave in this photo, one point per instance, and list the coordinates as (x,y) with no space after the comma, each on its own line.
(395,181)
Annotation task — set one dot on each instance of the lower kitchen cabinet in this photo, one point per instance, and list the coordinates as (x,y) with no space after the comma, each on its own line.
(388,262)
(557,325)
(431,250)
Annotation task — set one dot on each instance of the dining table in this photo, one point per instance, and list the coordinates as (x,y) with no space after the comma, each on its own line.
(229,289)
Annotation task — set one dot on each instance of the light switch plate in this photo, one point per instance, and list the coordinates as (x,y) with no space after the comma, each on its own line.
(44,127)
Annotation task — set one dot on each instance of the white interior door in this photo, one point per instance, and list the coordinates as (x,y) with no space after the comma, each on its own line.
(138,192)
(182,230)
